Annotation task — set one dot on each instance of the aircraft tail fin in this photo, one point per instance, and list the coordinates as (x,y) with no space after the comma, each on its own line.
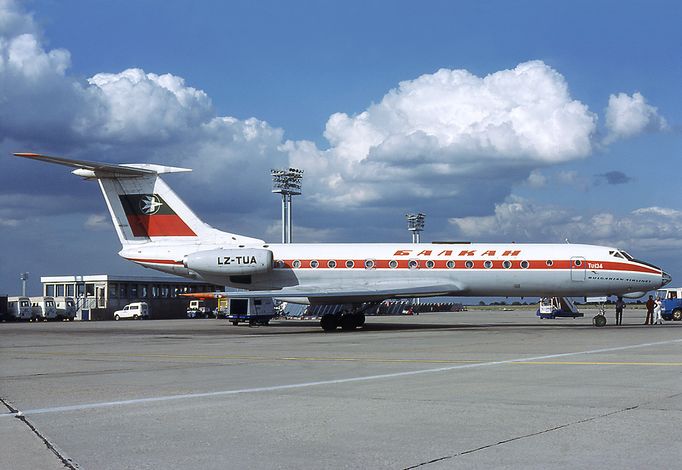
(142,206)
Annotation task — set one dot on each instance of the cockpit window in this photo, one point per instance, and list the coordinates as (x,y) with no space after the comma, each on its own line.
(616,254)
(627,256)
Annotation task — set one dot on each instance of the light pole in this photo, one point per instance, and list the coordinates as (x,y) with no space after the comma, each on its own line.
(415,224)
(287,182)
(23,277)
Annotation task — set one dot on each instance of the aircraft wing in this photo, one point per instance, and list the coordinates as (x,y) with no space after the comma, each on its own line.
(332,294)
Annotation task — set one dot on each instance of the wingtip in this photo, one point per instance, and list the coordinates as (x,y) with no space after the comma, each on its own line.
(27,154)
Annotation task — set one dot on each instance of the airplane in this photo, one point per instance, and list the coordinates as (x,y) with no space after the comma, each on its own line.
(158,230)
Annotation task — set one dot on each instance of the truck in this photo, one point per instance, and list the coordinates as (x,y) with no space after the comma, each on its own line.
(19,308)
(553,307)
(671,303)
(44,308)
(66,308)
(198,308)
(254,311)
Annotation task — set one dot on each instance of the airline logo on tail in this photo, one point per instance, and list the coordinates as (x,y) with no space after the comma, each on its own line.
(150,216)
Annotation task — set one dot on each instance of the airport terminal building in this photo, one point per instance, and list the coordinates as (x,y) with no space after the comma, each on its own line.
(99,296)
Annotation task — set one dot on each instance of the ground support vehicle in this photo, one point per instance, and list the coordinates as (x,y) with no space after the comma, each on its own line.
(198,309)
(44,308)
(19,308)
(671,303)
(66,308)
(254,311)
(553,307)
(136,311)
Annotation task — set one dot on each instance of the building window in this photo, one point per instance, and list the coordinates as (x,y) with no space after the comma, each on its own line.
(90,289)
(143,291)
(60,290)
(49,290)
(70,290)
(113,290)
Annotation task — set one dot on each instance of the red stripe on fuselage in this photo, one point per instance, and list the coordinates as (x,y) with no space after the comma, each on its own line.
(159,226)
(477,264)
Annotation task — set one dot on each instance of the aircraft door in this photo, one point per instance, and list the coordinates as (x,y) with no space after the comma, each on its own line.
(578,268)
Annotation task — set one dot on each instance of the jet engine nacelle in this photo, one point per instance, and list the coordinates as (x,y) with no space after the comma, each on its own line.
(634,295)
(230,262)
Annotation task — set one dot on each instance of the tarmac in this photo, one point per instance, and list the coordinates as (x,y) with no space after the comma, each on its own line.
(478,389)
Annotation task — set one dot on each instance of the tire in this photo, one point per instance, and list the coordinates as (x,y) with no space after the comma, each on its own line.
(136,317)
(599,321)
(677,315)
(235,323)
(360,320)
(348,322)
(329,322)
(117,318)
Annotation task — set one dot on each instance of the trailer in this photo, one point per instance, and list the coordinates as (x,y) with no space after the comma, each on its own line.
(254,311)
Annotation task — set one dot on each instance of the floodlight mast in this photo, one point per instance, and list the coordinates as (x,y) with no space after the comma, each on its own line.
(415,224)
(23,277)
(287,182)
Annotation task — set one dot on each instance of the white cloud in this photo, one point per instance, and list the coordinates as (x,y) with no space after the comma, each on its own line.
(519,219)
(437,135)
(536,179)
(627,116)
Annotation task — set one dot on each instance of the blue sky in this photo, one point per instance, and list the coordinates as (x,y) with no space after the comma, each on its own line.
(351,92)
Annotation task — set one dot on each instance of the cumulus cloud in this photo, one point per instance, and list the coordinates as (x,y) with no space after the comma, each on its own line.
(522,220)
(442,134)
(627,116)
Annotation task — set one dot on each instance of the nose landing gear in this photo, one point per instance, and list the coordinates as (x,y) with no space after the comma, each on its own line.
(347,319)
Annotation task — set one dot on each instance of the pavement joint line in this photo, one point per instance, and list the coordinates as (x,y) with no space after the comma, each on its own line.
(67,462)
(272,388)
(523,436)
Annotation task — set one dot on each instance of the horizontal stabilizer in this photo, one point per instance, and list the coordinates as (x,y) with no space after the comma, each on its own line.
(99,169)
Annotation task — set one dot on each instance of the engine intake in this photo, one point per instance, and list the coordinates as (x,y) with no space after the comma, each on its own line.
(230,262)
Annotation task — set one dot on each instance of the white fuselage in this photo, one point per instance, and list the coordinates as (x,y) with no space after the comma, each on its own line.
(482,269)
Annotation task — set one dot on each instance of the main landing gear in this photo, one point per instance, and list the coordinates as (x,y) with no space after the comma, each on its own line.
(599,319)
(348,318)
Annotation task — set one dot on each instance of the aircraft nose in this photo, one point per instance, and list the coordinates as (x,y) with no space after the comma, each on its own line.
(665,278)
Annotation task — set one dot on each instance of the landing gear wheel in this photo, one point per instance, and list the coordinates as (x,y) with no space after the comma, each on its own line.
(677,315)
(599,321)
(348,322)
(329,322)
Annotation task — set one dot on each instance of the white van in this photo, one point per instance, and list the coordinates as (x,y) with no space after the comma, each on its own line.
(19,308)
(136,310)
(66,308)
(43,308)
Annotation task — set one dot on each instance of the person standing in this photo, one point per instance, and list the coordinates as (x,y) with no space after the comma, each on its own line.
(620,305)
(650,304)
(658,319)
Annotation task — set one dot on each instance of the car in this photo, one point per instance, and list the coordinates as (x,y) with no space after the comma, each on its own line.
(136,311)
